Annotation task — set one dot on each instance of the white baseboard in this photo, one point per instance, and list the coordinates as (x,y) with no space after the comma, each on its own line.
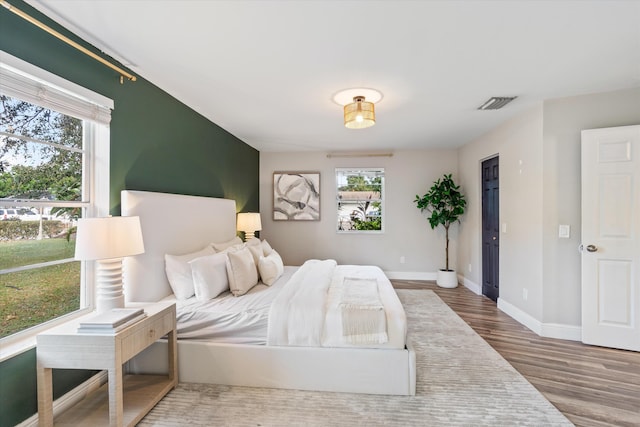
(548,330)
(563,332)
(524,318)
(472,286)
(410,275)
(71,398)
(423,275)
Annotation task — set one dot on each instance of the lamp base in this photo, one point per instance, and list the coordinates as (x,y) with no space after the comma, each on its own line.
(109,293)
(248,235)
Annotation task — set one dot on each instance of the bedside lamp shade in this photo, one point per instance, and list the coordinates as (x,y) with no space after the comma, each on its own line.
(249,222)
(107,240)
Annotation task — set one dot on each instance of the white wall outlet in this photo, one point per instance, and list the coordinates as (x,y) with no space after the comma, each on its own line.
(469,267)
(564,231)
(525,293)
(402,260)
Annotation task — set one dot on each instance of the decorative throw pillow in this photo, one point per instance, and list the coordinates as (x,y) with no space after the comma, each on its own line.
(242,271)
(219,247)
(271,267)
(209,276)
(266,248)
(179,272)
(256,252)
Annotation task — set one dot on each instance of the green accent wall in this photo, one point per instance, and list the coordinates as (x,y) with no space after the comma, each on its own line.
(157,144)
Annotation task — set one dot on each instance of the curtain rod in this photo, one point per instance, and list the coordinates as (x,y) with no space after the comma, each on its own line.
(67,40)
(330,155)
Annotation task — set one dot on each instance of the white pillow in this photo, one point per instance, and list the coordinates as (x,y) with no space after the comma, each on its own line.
(253,242)
(209,276)
(270,267)
(179,272)
(266,248)
(242,271)
(219,247)
(256,251)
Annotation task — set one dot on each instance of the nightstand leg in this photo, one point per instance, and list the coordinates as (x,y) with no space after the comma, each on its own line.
(173,356)
(116,406)
(45,396)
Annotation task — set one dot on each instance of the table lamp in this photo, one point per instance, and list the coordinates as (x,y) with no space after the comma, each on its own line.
(249,222)
(107,240)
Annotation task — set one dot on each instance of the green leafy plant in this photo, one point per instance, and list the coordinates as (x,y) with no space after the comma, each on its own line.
(445,203)
(371,224)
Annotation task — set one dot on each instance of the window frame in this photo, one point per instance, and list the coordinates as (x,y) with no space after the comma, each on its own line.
(71,99)
(362,170)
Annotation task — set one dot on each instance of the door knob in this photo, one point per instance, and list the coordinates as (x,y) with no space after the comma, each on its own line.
(592,248)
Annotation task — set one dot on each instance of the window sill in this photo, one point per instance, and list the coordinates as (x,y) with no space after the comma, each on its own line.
(7,351)
(359,231)
(13,346)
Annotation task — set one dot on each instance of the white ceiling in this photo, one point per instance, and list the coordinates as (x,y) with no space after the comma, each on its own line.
(266,71)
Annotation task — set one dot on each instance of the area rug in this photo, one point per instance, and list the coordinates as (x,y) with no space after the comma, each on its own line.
(461,381)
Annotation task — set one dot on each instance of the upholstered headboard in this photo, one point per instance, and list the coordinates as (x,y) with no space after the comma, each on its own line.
(171,224)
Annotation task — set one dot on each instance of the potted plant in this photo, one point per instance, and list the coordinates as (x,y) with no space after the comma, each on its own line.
(446,204)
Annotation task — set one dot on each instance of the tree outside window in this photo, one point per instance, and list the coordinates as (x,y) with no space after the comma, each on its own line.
(41,179)
(359,199)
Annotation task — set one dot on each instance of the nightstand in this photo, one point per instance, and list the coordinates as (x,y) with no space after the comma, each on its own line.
(125,399)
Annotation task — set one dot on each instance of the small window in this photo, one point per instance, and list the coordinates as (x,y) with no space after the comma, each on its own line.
(360,199)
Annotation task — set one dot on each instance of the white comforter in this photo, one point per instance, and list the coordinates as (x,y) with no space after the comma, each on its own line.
(309,309)
(297,314)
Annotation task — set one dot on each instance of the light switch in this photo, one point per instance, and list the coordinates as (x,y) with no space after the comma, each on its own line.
(564,231)
(504,227)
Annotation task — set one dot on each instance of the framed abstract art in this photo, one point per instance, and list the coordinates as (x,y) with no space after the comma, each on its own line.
(296,196)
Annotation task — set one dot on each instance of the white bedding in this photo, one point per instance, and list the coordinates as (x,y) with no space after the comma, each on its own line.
(229,319)
(297,314)
(245,319)
(395,315)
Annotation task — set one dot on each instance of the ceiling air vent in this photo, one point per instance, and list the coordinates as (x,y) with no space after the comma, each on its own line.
(496,102)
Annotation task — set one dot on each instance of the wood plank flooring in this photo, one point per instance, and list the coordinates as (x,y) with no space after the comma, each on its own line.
(591,386)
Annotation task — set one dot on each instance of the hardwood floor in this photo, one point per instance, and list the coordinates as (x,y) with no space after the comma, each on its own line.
(592,386)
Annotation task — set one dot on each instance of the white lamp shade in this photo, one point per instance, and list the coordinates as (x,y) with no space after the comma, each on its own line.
(106,238)
(249,222)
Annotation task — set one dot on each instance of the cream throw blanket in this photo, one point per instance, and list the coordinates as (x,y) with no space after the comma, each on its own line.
(363,316)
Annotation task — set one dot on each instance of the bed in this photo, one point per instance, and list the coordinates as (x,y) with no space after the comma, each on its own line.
(249,356)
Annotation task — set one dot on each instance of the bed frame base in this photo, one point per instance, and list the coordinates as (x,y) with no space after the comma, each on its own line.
(346,370)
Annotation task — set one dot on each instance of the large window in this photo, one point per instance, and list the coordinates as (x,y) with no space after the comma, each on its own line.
(52,172)
(360,199)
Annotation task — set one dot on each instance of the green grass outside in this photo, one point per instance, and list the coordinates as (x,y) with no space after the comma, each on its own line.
(31,297)
(17,253)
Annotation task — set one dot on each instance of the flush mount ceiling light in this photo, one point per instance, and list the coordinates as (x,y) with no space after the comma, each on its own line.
(359,114)
(359,109)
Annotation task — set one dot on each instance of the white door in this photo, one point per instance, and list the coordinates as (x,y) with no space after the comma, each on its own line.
(611,237)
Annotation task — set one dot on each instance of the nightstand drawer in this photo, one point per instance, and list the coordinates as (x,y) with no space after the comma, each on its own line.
(145,334)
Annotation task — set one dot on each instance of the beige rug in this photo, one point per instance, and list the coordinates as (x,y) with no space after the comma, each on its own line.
(461,381)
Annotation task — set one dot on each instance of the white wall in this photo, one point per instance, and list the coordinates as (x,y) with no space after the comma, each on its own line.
(407,232)
(535,198)
(564,119)
(518,143)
